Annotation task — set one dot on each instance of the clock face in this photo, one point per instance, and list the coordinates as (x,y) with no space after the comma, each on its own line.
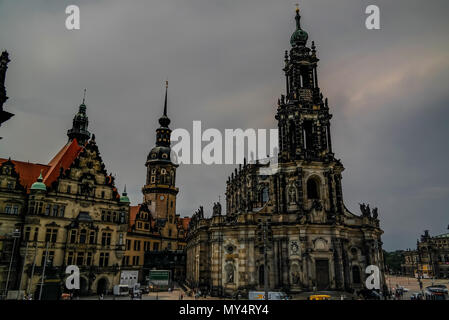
(162,198)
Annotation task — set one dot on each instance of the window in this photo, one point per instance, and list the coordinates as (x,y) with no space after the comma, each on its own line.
(70,258)
(61,211)
(27,233)
(146,246)
(73,236)
(122,217)
(103,215)
(136,260)
(8,209)
(308,134)
(153,179)
(265,194)
(50,257)
(92,237)
(106,239)
(55,210)
(39,208)
(120,239)
(155,246)
(356,274)
(312,189)
(36,233)
(136,245)
(31,208)
(147,226)
(128,244)
(126,260)
(47,209)
(139,225)
(51,235)
(169,231)
(89,259)
(102,194)
(83,236)
(104,259)
(69,189)
(80,259)
(169,246)
(10,185)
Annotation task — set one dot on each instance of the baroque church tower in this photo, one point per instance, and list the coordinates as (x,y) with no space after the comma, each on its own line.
(311,241)
(304,132)
(160,189)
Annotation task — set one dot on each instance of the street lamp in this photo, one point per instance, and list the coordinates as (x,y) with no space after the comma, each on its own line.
(15,235)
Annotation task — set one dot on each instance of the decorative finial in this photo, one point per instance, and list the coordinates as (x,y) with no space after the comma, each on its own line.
(124,191)
(84,96)
(298,17)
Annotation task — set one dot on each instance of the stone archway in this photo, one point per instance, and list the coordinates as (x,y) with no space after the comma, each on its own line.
(102,285)
(84,286)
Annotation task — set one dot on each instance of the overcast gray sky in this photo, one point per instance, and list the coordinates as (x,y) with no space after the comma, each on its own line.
(388,90)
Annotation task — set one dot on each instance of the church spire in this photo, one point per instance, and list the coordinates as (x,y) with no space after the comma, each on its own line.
(80,124)
(164,121)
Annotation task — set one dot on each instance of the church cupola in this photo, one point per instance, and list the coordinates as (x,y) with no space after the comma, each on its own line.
(299,37)
(39,185)
(80,123)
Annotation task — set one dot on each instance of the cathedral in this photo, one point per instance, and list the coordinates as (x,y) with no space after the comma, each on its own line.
(286,224)
(66,212)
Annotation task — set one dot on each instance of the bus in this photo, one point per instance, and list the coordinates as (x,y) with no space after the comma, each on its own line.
(435,293)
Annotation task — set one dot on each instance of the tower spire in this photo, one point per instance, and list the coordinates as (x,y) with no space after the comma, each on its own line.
(84,96)
(165,103)
(164,121)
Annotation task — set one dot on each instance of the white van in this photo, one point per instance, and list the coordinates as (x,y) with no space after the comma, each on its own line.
(121,290)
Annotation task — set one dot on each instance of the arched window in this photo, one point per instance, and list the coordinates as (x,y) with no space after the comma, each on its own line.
(355,274)
(313,191)
(265,194)
(83,235)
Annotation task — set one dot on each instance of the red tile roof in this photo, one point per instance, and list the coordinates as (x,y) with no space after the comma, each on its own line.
(133,210)
(29,172)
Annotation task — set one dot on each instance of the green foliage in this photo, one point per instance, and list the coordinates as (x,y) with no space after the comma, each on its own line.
(393,260)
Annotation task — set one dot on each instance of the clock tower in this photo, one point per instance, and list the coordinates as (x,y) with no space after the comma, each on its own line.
(159,192)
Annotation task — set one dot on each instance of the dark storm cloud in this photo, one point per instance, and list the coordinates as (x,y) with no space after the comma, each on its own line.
(387,90)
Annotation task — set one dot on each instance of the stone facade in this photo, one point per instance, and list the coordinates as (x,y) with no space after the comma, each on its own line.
(430,259)
(67,212)
(315,242)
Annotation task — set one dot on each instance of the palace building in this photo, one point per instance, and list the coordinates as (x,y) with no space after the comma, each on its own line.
(154,226)
(430,259)
(66,212)
(286,225)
